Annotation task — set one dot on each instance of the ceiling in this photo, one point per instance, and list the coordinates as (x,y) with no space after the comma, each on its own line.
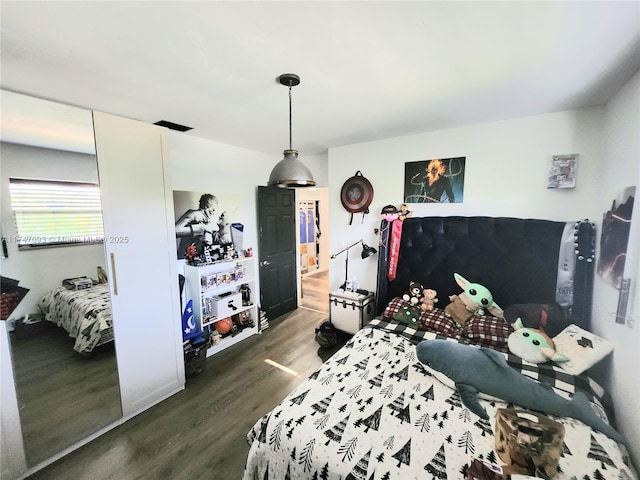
(369,70)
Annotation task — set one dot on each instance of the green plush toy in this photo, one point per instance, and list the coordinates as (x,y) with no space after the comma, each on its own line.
(533,344)
(409,315)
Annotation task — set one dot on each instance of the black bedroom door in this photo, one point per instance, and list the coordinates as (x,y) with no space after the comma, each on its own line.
(277,248)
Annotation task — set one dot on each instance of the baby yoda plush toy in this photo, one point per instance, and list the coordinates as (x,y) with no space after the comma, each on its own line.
(533,344)
(473,300)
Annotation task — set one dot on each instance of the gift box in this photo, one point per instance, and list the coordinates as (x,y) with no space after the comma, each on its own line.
(528,443)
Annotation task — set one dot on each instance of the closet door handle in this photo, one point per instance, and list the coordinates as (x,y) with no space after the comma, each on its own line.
(114,279)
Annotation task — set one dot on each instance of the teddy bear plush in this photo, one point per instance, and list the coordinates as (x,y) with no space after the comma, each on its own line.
(404,212)
(533,344)
(428,300)
(473,300)
(415,293)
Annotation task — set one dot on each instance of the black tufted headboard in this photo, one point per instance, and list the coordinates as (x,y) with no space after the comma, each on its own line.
(516,259)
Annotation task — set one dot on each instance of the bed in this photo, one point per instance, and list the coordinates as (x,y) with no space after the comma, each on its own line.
(374,411)
(84,314)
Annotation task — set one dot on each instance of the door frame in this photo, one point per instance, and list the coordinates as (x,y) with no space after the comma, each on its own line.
(320,194)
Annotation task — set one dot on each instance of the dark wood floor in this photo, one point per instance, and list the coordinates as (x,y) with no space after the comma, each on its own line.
(57,388)
(199,433)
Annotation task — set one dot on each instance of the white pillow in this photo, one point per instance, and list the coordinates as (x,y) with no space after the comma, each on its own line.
(583,348)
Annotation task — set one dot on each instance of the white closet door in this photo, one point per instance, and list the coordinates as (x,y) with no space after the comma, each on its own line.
(141,260)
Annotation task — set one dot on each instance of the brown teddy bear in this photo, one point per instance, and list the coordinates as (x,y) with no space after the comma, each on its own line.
(428,300)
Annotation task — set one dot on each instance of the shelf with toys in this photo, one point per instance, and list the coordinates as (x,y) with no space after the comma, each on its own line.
(224,299)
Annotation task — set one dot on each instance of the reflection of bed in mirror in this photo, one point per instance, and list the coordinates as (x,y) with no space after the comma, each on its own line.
(43,418)
(62,396)
(84,314)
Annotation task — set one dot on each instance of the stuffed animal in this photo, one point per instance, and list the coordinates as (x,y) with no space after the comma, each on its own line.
(473,300)
(473,370)
(389,213)
(533,344)
(548,316)
(404,212)
(428,300)
(414,295)
(409,315)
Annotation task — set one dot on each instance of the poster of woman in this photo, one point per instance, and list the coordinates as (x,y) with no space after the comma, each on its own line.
(440,180)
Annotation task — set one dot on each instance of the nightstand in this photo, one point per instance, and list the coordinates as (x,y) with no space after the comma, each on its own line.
(350,311)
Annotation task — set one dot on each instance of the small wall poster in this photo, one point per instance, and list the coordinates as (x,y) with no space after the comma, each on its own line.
(562,171)
(440,180)
(616,224)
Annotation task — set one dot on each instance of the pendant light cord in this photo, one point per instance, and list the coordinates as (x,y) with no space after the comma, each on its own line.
(290,140)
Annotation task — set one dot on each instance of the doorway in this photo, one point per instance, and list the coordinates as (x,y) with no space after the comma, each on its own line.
(312,233)
(315,291)
(309,235)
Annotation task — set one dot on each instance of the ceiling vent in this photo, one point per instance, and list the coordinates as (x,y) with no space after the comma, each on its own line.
(173,126)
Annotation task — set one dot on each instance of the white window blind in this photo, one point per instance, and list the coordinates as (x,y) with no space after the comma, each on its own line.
(52,213)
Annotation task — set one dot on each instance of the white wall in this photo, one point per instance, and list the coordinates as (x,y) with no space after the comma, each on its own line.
(318,166)
(506,172)
(619,168)
(40,270)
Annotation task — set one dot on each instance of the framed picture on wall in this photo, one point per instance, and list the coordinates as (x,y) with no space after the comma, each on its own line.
(562,171)
(440,180)
(204,219)
(614,238)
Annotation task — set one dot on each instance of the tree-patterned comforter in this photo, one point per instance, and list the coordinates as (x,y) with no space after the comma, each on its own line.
(84,314)
(373,411)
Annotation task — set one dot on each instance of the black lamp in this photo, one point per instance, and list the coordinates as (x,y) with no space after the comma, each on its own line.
(367,251)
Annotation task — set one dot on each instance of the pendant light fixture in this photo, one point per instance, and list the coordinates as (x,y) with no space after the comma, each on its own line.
(290,172)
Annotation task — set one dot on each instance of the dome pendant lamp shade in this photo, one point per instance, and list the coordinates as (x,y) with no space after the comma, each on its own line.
(290,171)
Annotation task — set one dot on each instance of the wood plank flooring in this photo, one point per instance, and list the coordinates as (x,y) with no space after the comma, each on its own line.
(57,388)
(199,433)
(315,291)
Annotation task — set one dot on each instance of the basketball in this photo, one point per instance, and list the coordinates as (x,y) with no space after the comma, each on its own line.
(224,325)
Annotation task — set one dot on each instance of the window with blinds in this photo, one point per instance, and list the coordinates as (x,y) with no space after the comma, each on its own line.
(52,213)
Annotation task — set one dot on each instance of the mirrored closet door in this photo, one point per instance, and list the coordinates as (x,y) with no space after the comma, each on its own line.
(63,357)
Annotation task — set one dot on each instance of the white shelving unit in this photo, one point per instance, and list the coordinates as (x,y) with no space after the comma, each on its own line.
(215,283)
